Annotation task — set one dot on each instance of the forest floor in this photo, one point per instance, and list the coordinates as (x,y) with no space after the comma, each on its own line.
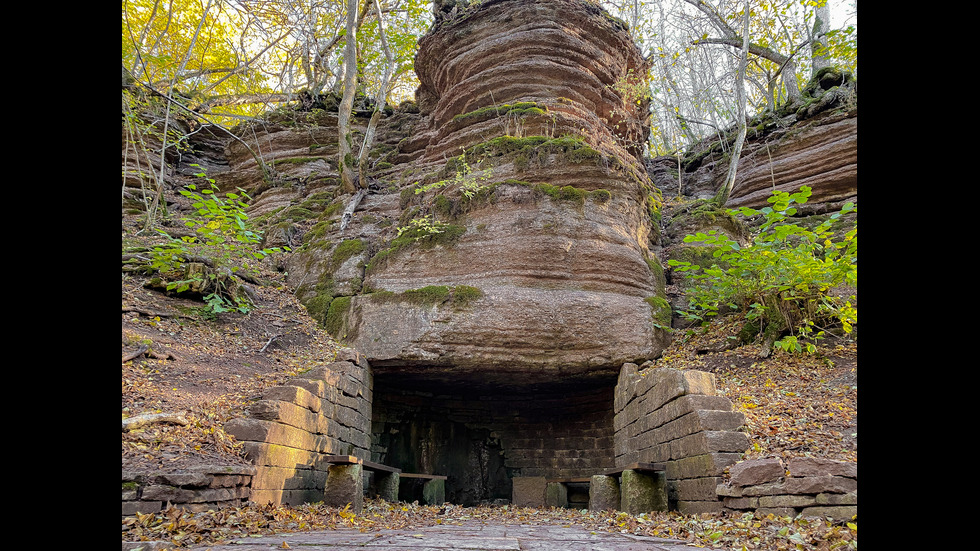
(207,369)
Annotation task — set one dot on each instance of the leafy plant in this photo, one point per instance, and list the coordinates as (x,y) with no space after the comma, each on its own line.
(783,280)
(424,226)
(468,182)
(222,240)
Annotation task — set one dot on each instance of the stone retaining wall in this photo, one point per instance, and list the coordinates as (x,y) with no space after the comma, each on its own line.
(326,411)
(804,485)
(675,417)
(198,489)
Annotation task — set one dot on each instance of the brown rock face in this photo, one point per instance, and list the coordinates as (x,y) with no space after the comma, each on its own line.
(527,103)
(811,145)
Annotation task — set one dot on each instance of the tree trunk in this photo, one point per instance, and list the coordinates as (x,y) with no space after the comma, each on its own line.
(818,43)
(381,100)
(743,60)
(346,161)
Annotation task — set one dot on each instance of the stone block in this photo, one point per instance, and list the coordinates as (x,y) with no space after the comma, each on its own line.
(849,498)
(345,485)
(665,384)
(694,489)
(184,479)
(386,485)
(819,485)
(267,496)
(315,387)
(351,418)
(130,508)
(285,412)
(757,471)
(529,491)
(296,395)
(556,495)
(708,442)
(161,492)
(839,513)
(642,493)
(260,430)
(288,478)
(434,492)
(813,466)
(626,386)
(604,493)
(741,502)
(787,501)
(708,464)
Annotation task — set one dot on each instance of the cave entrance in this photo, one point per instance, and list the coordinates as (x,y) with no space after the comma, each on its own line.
(483,435)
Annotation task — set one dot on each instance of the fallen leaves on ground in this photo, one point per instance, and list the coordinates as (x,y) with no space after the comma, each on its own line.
(721,531)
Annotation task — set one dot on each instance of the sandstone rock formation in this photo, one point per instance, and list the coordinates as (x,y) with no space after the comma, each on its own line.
(510,230)
(813,143)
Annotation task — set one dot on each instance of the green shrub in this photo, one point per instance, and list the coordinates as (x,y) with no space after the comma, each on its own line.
(782,280)
(223,238)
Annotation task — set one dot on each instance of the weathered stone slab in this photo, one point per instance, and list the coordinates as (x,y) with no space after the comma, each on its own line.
(642,493)
(288,478)
(295,394)
(820,484)
(604,494)
(184,479)
(386,485)
(260,430)
(556,495)
(787,501)
(661,385)
(741,502)
(840,513)
(813,466)
(708,442)
(529,491)
(285,412)
(434,492)
(757,471)
(849,498)
(315,387)
(694,489)
(626,386)
(345,485)
(709,464)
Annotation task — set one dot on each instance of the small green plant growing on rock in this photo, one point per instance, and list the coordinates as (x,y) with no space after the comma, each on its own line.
(784,280)
(422,227)
(469,183)
(222,245)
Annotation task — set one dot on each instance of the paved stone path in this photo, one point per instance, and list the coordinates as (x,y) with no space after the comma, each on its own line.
(471,536)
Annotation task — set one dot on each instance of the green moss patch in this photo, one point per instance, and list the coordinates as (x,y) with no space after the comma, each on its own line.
(457,297)
(519,109)
(336,315)
(571,149)
(344,251)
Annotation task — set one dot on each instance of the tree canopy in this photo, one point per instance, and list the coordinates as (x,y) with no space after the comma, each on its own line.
(236,58)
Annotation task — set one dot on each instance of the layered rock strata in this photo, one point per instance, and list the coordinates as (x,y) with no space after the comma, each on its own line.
(813,145)
(524,192)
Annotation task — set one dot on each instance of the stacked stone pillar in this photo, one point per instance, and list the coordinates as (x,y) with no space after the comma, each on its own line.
(295,427)
(676,417)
